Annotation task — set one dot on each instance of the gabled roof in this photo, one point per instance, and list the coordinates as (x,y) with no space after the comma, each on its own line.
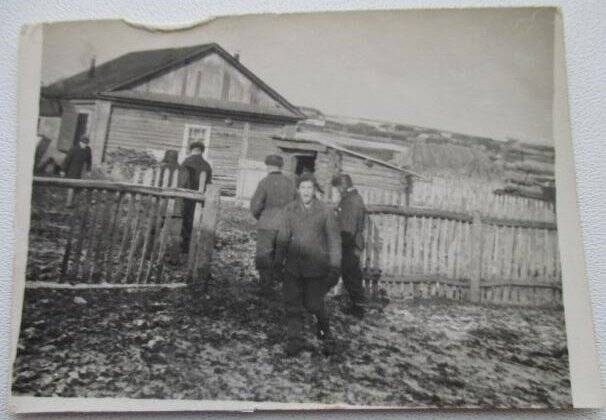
(131,68)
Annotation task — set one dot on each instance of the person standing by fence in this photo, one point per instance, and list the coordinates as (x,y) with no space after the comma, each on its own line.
(351,213)
(78,158)
(274,192)
(189,178)
(309,254)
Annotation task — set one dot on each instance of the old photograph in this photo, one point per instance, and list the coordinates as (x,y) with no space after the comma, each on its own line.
(354,208)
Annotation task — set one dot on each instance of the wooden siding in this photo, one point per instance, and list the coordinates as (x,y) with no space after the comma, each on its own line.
(371,174)
(158,131)
(209,77)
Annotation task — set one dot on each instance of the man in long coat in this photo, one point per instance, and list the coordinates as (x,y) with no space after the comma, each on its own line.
(189,177)
(351,213)
(309,254)
(78,158)
(274,192)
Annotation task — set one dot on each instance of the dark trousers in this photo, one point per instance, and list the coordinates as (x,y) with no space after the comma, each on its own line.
(264,257)
(351,272)
(300,293)
(189,207)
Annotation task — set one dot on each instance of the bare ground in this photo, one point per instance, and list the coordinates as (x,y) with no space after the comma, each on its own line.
(227,344)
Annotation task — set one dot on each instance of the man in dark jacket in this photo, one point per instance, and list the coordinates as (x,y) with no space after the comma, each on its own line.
(189,177)
(309,253)
(78,158)
(351,213)
(273,193)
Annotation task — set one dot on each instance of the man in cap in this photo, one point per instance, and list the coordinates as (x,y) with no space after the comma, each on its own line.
(189,177)
(309,254)
(351,213)
(78,158)
(272,194)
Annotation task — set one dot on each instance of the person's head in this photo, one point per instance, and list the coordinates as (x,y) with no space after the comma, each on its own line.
(171,157)
(196,148)
(84,140)
(342,183)
(274,163)
(306,186)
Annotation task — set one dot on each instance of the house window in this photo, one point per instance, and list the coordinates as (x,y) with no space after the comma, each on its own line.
(195,133)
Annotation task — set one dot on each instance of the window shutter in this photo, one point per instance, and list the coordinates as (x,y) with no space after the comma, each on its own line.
(69,121)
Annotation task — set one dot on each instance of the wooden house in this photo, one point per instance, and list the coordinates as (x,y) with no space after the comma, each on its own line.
(165,99)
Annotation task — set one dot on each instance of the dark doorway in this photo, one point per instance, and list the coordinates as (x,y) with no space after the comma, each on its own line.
(305,164)
(81,125)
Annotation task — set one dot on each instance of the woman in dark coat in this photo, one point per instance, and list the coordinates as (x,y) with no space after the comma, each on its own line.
(78,158)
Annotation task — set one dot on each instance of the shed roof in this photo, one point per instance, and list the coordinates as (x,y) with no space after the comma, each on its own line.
(311,137)
(130,68)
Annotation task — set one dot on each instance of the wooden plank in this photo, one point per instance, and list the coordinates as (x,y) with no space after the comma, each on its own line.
(148,225)
(164,234)
(77,215)
(463,217)
(113,241)
(93,233)
(141,208)
(207,237)
(477,251)
(163,181)
(82,233)
(196,228)
(120,186)
(104,234)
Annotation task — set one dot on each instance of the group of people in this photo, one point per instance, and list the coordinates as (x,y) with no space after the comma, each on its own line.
(302,243)
(306,245)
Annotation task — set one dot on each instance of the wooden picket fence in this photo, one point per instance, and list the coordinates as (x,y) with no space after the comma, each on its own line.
(124,233)
(424,253)
(463,194)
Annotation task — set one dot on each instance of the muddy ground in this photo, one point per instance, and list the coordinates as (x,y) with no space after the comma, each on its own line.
(227,344)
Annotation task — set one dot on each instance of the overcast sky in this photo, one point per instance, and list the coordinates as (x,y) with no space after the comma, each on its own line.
(482,72)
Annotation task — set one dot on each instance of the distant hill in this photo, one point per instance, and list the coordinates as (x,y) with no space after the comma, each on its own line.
(522,167)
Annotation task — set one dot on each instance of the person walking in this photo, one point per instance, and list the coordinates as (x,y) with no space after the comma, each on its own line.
(189,178)
(308,252)
(78,159)
(351,213)
(274,192)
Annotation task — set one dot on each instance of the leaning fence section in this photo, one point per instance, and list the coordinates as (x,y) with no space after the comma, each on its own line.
(422,252)
(127,233)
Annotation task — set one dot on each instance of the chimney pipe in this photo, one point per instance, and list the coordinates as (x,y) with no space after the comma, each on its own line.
(91,70)
(237,56)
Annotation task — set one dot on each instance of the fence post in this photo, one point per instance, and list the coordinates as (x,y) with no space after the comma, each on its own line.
(476,257)
(203,257)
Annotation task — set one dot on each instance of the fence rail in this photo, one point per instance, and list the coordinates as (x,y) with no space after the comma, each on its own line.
(126,233)
(425,252)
